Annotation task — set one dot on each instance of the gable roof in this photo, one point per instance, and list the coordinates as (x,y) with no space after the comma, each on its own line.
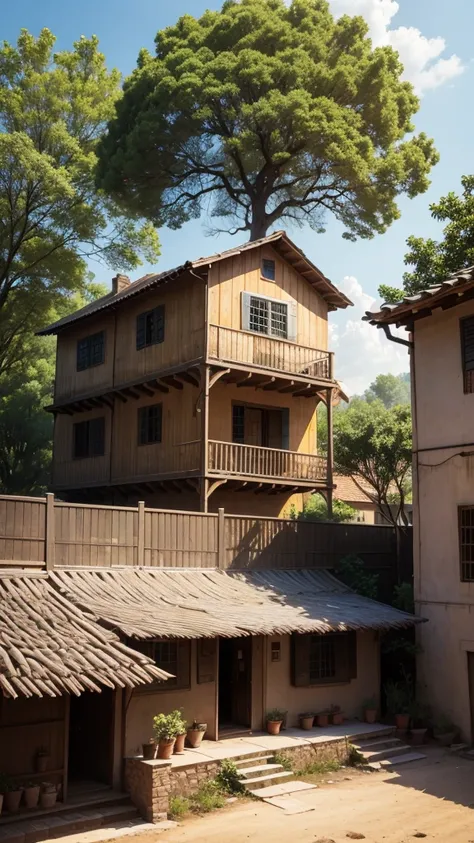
(457,289)
(278,240)
(347,489)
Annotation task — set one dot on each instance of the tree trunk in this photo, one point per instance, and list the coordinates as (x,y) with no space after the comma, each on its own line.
(259,224)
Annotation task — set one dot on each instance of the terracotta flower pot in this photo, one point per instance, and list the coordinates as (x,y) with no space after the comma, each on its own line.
(149,750)
(179,744)
(48,799)
(41,763)
(32,796)
(337,718)
(194,737)
(418,736)
(445,739)
(402,722)
(165,748)
(322,720)
(1,802)
(307,722)
(274,726)
(370,715)
(11,800)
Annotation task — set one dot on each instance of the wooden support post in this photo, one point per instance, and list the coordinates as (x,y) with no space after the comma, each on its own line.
(67,710)
(221,560)
(330,469)
(50,544)
(204,437)
(141,533)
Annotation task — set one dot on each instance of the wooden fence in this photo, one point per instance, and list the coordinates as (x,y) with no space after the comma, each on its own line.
(44,533)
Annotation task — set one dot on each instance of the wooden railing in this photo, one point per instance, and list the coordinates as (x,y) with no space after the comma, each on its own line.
(228,344)
(254,460)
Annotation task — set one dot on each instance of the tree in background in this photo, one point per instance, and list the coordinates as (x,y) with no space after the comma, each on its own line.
(373,442)
(435,260)
(390,390)
(316,509)
(265,112)
(53,111)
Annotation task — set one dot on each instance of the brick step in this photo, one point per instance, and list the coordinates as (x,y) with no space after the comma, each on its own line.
(265,781)
(33,829)
(243,763)
(260,770)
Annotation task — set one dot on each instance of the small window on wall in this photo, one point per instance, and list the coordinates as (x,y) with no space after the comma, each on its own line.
(466,542)
(268,269)
(467,352)
(273,317)
(89,438)
(150,424)
(90,351)
(151,327)
(324,659)
(172,656)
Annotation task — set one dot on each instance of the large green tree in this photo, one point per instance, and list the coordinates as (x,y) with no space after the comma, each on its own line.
(433,261)
(53,110)
(390,390)
(267,111)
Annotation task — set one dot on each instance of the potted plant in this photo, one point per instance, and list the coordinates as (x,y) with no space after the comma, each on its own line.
(398,698)
(165,734)
(444,731)
(195,733)
(149,749)
(369,707)
(336,715)
(419,719)
(12,792)
(274,718)
(41,759)
(31,791)
(322,719)
(48,795)
(180,730)
(306,721)
(4,782)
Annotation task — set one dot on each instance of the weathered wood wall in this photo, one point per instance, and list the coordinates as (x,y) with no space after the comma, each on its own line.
(36,533)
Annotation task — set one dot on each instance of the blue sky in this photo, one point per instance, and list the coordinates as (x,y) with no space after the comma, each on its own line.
(434,39)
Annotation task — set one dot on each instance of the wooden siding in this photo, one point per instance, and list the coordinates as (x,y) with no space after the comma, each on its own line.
(23,530)
(25,726)
(69,382)
(90,471)
(230,277)
(256,461)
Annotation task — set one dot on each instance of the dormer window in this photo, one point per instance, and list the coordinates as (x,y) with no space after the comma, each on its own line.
(268,269)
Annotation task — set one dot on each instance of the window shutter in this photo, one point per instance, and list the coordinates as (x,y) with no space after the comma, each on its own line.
(97,343)
(300,660)
(346,656)
(142,425)
(141,331)
(285,429)
(159,422)
(184,664)
(97,437)
(82,354)
(246,311)
(467,333)
(159,323)
(206,660)
(292,320)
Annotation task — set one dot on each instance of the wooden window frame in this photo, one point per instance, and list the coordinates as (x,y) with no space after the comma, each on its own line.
(467,369)
(143,411)
(143,327)
(345,659)
(291,316)
(466,567)
(91,450)
(263,268)
(183,651)
(87,343)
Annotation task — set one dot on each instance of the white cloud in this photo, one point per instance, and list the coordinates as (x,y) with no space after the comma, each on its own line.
(362,351)
(421,56)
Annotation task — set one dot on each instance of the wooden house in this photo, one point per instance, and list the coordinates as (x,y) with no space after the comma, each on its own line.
(187,387)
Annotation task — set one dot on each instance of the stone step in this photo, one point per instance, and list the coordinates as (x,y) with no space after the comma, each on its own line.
(390,752)
(243,763)
(266,781)
(282,789)
(259,770)
(34,829)
(407,758)
(376,745)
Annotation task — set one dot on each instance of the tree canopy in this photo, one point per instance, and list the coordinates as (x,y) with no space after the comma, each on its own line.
(267,111)
(373,442)
(435,260)
(53,111)
(390,390)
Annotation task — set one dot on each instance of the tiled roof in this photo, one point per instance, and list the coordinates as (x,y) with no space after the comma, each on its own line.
(347,489)
(279,240)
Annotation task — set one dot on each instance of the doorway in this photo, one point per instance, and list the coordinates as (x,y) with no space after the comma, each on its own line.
(263,426)
(235,683)
(91,737)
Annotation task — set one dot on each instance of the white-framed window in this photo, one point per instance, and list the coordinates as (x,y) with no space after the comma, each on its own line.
(264,315)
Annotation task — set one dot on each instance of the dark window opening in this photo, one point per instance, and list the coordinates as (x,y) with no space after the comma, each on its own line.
(467,350)
(322,658)
(466,542)
(150,424)
(89,438)
(238,423)
(151,327)
(90,351)
(268,269)
(172,656)
(261,426)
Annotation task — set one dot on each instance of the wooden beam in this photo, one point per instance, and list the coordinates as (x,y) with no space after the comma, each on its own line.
(270,385)
(304,391)
(171,380)
(245,381)
(187,378)
(213,486)
(155,384)
(290,388)
(145,389)
(215,377)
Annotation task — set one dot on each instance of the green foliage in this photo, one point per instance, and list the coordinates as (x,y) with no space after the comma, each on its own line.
(320,767)
(53,110)
(228,778)
(179,806)
(284,761)
(420,715)
(316,509)
(403,598)
(208,798)
(355,757)
(274,715)
(352,571)
(167,726)
(399,696)
(374,443)
(7,784)
(370,703)
(435,260)
(271,111)
(391,390)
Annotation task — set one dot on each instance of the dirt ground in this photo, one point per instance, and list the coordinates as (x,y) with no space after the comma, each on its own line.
(430,799)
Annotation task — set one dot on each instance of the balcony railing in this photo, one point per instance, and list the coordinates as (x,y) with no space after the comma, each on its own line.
(255,461)
(230,345)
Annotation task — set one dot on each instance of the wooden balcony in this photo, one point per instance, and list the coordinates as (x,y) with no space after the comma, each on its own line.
(258,350)
(258,463)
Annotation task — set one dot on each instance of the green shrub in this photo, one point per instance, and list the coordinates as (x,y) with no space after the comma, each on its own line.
(355,758)
(228,779)
(275,715)
(285,762)
(319,767)
(208,798)
(179,807)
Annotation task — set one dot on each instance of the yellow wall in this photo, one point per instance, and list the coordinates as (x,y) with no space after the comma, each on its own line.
(230,277)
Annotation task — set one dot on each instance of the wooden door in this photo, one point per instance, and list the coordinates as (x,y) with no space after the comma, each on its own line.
(242,682)
(91,730)
(253,426)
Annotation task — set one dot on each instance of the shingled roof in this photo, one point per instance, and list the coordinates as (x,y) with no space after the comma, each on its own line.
(49,646)
(278,240)
(203,603)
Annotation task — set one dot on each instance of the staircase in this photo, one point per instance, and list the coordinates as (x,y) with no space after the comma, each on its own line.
(265,778)
(386,752)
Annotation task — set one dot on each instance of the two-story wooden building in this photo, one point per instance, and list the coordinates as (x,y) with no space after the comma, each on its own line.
(198,387)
